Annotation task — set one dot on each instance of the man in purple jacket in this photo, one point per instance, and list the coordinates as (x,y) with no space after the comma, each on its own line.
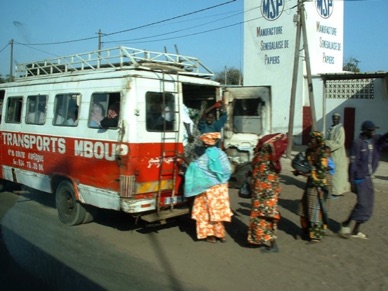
(364,159)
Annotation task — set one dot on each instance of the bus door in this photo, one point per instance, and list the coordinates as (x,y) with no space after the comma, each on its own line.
(248,118)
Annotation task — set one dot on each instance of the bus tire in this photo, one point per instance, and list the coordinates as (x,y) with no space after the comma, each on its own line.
(70,211)
(91,213)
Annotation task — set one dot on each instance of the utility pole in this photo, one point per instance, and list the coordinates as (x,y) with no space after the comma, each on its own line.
(301,28)
(99,39)
(294,82)
(308,69)
(11,61)
(99,48)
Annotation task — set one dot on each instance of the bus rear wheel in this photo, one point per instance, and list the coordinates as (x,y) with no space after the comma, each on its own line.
(91,213)
(70,211)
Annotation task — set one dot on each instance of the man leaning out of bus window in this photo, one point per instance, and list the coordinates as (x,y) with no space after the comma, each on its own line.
(112,119)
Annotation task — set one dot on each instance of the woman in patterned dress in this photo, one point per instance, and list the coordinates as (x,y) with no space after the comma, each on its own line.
(265,190)
(207,179)
(312,207)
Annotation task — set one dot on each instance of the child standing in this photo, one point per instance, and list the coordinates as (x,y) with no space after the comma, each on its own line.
(330,172)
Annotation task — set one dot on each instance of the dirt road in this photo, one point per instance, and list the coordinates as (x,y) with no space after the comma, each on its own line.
(115,254)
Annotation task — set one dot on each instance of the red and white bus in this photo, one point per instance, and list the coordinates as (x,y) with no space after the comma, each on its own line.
(51,140)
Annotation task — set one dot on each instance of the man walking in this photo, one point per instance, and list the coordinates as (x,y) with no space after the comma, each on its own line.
(336,142)
(364,160)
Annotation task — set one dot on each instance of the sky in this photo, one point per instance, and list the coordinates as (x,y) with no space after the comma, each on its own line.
(211,31)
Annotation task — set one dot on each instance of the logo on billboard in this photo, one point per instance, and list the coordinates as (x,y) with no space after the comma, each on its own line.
(324,7)
(272,9)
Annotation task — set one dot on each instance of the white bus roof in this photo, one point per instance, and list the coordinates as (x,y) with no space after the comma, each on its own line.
(118,58)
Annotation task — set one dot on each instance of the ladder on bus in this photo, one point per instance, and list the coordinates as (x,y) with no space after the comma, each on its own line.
(169,137)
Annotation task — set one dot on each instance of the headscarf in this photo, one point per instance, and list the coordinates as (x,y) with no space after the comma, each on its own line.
(210,138)
(276,144)
(319,137)
(318,172)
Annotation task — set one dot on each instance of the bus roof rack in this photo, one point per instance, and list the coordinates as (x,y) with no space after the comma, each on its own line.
(116,58)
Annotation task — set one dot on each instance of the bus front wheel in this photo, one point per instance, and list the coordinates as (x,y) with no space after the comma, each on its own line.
(70,211)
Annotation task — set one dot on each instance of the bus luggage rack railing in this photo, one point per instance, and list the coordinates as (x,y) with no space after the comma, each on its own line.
(118,57)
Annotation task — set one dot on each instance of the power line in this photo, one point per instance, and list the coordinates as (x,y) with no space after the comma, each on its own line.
(4,47)
(42,51)
(174,31)
(142,39)
(136,40)
(135,28)
(172,18)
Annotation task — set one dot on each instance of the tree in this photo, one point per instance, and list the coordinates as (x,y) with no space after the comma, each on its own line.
(351,65)
(5,79)
(229,76)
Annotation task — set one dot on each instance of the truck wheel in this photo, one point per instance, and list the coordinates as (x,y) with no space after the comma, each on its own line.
(91,213)
(70,211)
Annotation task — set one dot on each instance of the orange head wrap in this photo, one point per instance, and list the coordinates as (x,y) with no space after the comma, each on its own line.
(210,138)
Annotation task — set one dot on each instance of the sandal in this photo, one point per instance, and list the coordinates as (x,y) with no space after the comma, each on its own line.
(360,235)
(222,239)
(345,230)
(211,239)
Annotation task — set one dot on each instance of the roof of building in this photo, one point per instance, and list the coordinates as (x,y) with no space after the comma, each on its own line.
(351,75)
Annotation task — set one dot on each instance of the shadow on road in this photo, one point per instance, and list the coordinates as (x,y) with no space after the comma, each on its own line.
(41,271)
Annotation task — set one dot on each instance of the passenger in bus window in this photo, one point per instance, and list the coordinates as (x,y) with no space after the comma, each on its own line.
(31,112)
(72,116)
(10,113)
(155,114)
(36,114)
(60,118)
(42,110)
(112,119)
(96,114)
(161,117)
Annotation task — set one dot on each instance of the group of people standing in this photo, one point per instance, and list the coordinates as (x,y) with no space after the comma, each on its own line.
(206,179)
(321,183)
(357,173)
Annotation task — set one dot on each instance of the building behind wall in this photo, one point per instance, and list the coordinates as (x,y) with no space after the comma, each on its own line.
(357,97)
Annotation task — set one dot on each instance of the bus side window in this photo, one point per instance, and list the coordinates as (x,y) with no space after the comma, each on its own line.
(160,114)
(101,109)
(66,107)
(14,110)
(36,109)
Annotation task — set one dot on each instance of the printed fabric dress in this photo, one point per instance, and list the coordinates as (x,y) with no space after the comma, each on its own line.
(265,191)
(313,207)
(210,210)
(207,180)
